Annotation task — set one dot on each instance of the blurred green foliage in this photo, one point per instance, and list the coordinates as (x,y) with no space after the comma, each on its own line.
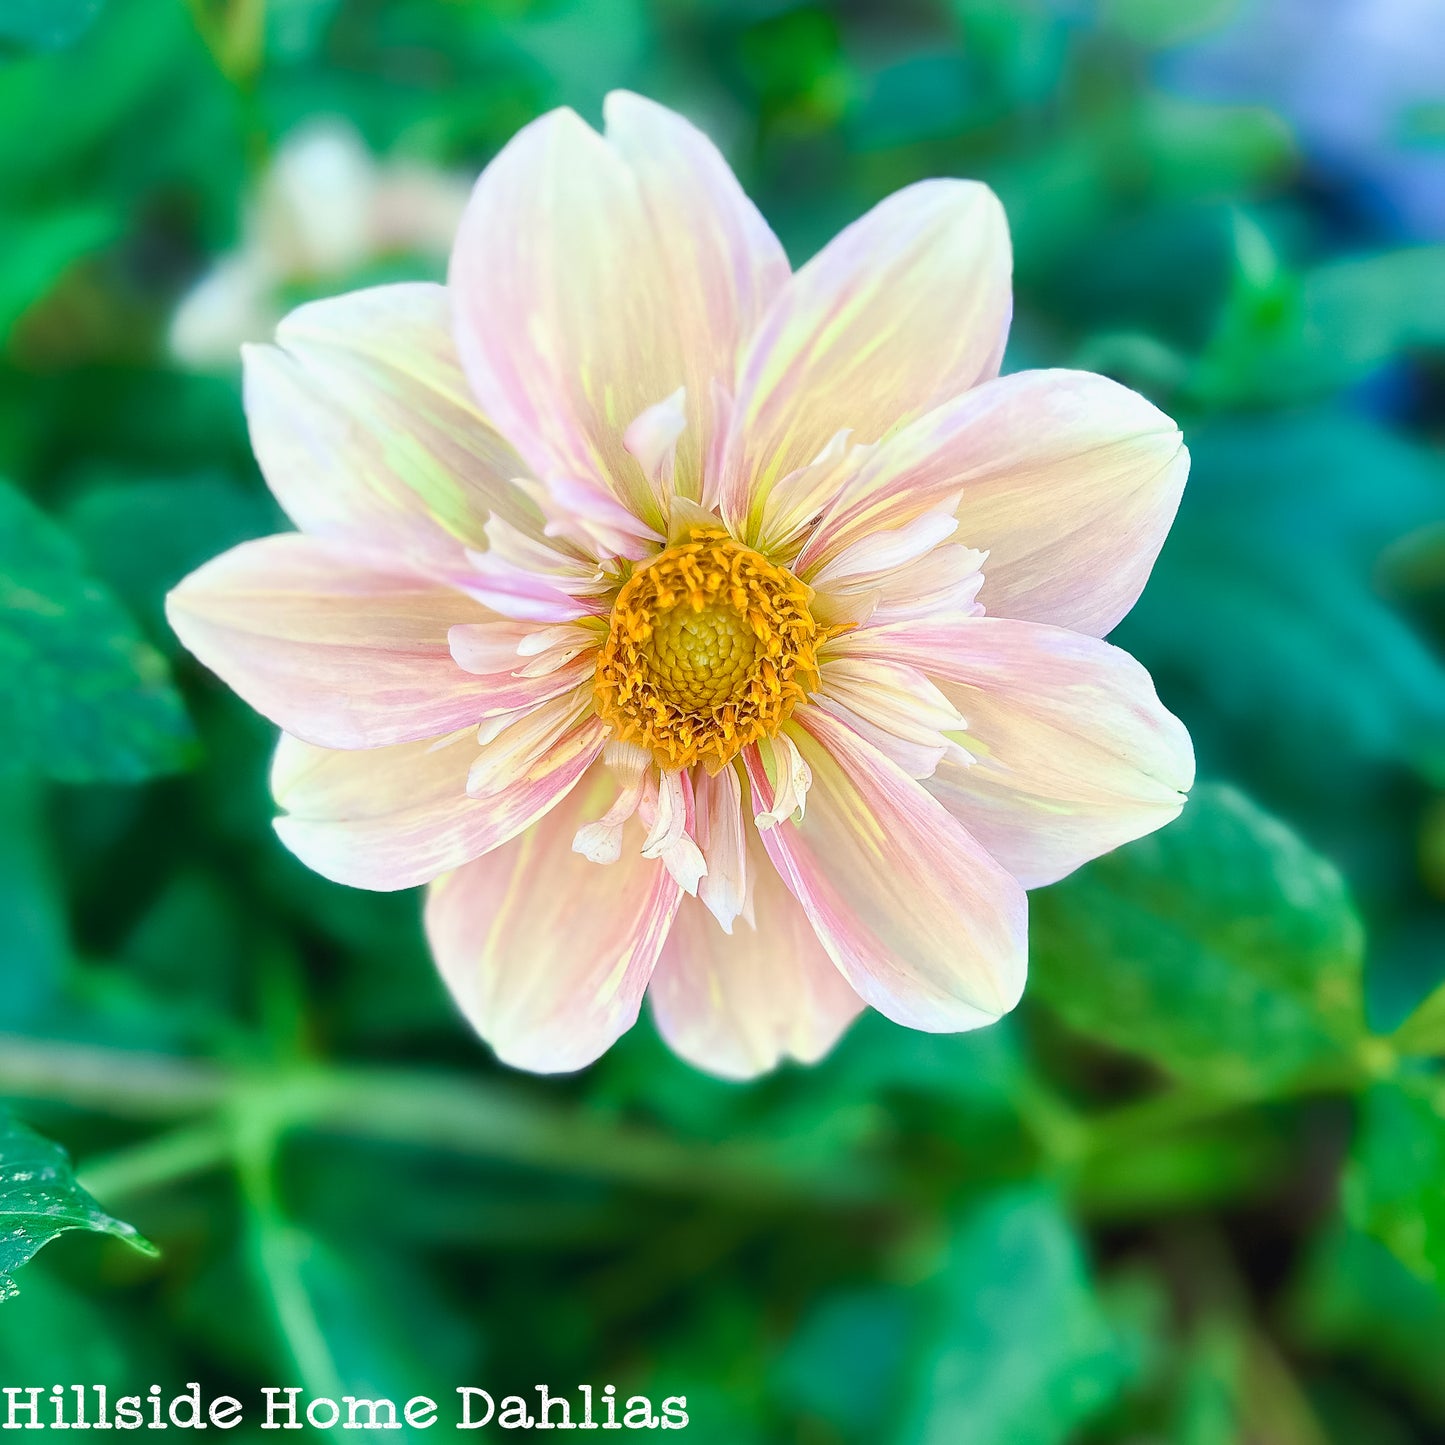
(1191,1192)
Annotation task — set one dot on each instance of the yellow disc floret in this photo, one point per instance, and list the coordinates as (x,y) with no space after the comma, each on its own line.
(710,647)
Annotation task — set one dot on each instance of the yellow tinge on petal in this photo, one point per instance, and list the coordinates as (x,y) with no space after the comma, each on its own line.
(709,649)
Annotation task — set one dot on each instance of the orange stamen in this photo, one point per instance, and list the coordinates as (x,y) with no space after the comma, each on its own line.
(709,649)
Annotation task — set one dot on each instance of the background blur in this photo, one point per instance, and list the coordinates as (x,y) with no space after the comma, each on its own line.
(1193,1192)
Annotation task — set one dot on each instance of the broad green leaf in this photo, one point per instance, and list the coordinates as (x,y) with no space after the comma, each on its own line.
(1020,1351)
(1265,619)
(39,1199)
(1395,1184)
(85,698)
(46,24)
(1221,947)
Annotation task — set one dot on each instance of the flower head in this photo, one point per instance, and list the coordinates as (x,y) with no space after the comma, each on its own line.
(696,627)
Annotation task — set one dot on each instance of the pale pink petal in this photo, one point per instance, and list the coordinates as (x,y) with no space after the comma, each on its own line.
(547,954)
(1074,752)
(795,502)
(503,646)
(737,1004)
(1069,482)
(790,778)
(893,705)
(523,595)
(722,836)
(631,767)
(905,308)
(724,263)
(512,678)
(332,647)
(872,557)
(667,806)
(920,920)
(917,759)
(513,744)
(388,818)
(652,439)
(947,580)
(365,430)
(591,518)
(594,277)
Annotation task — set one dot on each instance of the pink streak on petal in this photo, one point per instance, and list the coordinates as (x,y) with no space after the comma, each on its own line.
(547,954)
(330,645)
(389,818)
(920,920)
(1075,754)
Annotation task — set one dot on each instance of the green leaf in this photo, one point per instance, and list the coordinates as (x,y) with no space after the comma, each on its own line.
(1021,1351)
(1423,1033)
(1356,1298)
(86,698)
(845,1361)
(1395,1185)
(1221,947)
(142,534)
(34,937)
(1329,328)
(39,1199)
(1162,23)
(1265,618)
(1235,1388)
(46,24)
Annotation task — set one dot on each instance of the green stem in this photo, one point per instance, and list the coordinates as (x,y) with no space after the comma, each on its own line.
(471,1117)
(1165,1114)
(164,1159)
(485,1119)
(117,1082)
(278,1251)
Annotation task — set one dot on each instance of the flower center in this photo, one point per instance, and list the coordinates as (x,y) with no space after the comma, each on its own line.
(709,649)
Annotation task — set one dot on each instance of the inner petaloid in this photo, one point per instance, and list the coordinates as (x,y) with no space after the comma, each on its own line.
(710,647)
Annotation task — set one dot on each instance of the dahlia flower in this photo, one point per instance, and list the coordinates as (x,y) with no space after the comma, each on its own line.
(693,626)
